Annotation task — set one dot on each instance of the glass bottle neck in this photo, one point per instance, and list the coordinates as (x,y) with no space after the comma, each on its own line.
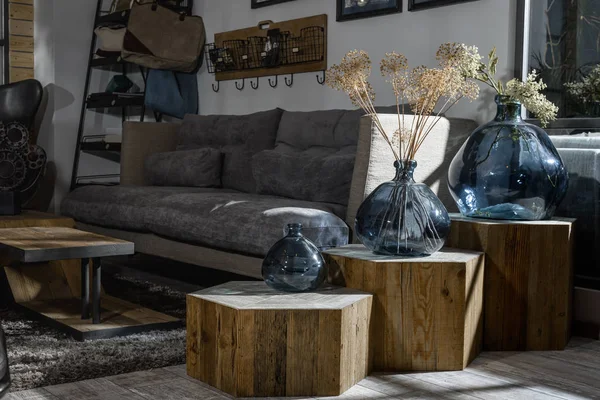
(508,109)
(405,170)
(294,230)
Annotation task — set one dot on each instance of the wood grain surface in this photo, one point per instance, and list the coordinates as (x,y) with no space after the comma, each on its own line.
(528,280)
(427,312)
(249,340)
(21,41)
(43,280)
(36,244)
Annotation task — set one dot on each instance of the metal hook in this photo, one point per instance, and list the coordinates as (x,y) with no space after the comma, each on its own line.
(289,82)
(321,81)
(271,84)
(253,85)
(243,84)
(216,88)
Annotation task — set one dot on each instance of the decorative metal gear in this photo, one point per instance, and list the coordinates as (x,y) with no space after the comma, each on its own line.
(16,135)
(13,170)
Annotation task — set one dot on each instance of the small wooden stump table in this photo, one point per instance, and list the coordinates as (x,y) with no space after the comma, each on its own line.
(427,311)
(249,340)
(528,280)
(49,292)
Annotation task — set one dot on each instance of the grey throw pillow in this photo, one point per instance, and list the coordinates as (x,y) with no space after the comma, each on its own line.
(321,179)
(194,168)
(237,170)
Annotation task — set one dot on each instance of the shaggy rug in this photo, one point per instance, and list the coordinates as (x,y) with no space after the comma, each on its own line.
(40,355)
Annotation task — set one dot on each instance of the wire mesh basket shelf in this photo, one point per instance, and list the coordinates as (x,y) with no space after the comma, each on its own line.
(274,50)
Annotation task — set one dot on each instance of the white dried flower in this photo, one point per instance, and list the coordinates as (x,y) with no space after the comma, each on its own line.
(588,89)
(529,94)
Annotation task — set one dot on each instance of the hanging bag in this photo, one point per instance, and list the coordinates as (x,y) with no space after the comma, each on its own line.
(160,38)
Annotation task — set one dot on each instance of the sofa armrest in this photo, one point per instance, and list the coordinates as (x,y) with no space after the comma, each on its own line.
(375,162)
(141,139)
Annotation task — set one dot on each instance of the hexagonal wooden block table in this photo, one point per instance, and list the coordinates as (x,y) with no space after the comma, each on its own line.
(528,284)
(249,340)
(427,311)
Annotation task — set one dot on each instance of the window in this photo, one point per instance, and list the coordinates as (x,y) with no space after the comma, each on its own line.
(561,40)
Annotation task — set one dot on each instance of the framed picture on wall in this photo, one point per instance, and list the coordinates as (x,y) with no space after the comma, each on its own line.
(417,5)
(355,9)
(265,3)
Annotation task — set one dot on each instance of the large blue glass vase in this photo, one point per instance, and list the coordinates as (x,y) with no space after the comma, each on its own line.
(402,218)
(294,263)
(508,169)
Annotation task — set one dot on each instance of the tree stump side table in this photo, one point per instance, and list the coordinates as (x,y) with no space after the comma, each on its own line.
(249,340)
(427,311)
(528,280)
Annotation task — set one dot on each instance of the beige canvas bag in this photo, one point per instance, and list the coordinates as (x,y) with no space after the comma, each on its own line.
(160,38)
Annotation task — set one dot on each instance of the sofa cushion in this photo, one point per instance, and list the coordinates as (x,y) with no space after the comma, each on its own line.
(238,163)
(192,168)
(230,133)
(244,223)
(314,133)
(121,207)
(299,176)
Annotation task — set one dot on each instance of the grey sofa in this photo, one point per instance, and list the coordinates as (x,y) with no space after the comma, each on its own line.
(277,167)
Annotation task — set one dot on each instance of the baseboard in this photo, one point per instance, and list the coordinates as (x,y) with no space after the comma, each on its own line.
(586,313)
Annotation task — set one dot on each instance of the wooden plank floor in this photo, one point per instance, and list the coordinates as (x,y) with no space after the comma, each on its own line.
(570,374)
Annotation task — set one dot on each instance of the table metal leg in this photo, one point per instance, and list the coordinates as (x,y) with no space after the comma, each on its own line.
(96,285)
(85,288)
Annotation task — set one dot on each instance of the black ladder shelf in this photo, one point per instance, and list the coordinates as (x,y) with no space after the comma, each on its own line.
(95,144)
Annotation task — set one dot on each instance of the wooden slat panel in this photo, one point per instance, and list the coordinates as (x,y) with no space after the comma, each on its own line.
(21,60)
(28,2)
(20,27)
(21,43)
(20,11)
(21,74)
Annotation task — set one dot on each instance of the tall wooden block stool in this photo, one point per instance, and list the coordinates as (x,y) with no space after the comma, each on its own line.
(427,312)
(528,280)
(249,340)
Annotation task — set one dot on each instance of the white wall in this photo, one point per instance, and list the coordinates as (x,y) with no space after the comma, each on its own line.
(63,34)
(484,23)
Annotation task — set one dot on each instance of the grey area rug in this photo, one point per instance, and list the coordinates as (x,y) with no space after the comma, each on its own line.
(40,355)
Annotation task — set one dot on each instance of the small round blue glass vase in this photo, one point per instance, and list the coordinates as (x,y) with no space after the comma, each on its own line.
(402,218)
(508,169)
(294,263)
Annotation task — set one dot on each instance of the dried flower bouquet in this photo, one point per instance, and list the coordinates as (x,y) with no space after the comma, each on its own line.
(528,93)
(430,92)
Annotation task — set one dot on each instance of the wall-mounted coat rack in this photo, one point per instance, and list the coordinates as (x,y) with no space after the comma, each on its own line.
(269,49)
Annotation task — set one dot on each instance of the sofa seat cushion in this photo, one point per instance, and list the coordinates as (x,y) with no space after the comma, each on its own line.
(244,223)
(121,207)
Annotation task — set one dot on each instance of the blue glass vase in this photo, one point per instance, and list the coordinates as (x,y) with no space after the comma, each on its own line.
(508,169)
(294,263)
(402,217)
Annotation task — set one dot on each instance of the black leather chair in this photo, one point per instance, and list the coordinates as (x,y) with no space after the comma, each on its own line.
(20,102)
(22,163)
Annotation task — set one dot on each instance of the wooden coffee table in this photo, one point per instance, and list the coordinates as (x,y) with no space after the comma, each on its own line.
(62,304)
